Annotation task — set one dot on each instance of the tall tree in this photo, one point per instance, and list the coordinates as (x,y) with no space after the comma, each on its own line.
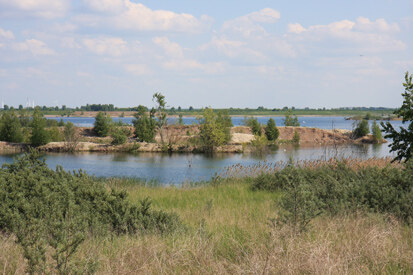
(402,140)
(160,113)
(39,134)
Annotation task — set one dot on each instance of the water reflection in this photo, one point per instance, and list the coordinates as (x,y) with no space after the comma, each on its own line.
(178,168)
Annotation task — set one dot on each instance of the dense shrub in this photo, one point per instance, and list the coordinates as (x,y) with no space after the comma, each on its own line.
(334,189)
(54,134)
(102,124)
(376,131)
(296,137)
(119,135)
(361,129)
(215,129)
(291,120)
(255,126)
(271,131)
(56,210)
(39,134)
(10,127)
(144,125)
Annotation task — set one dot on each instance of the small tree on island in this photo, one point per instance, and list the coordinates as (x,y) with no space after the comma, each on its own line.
(10,127)
(214,129)
(102,124)
(361,129)
(402,140)
(39,134)
(271,131)
(144,125)
(376,131)
(160,113)
(289,120)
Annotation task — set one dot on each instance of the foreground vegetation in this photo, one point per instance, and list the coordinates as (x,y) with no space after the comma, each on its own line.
(227,225)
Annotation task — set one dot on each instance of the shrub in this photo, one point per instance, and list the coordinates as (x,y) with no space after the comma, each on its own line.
(39,134)
(296,137)
(70,136)
(10,128)
(289,120)
(119,135)
(361,129)
(102,124)
(336,188)
(54,134)
(271,131)
(255,126)
(54,210)
(144,126)
(214,129)
(376,131)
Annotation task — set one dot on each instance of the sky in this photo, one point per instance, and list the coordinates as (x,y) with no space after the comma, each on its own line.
(220,54)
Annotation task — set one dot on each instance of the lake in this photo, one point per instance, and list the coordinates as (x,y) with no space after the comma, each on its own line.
(325,122)
(178,168)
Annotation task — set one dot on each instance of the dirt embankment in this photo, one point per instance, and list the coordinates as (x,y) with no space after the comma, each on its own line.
(184,139)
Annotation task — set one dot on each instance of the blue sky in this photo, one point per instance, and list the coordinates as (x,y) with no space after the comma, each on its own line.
(205,53)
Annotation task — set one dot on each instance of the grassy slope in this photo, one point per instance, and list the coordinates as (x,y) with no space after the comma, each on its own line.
(229,231)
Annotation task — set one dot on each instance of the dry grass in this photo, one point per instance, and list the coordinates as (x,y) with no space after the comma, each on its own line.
(229,232)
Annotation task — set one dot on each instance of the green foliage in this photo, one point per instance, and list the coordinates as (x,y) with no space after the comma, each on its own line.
(376,131)
(337,189)
(39,134)
(160,113)
(10,128)
(119,135)
(296,137)
(402,140)
(214,129)
(54,134)
(61,123)
(361,129)
(291,120)
(271,131)
(144,126)
(255,126)
(102,124)
(54,210)
(180,120)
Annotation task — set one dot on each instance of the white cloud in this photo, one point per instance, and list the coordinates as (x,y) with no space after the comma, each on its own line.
(172,49)
(249,25)
(34,46)
(136,16)
(39,8)
(296,28)
(138,69)
(112,46)
(6,34)
(363,35)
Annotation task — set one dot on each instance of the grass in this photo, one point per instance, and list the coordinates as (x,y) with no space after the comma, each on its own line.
(230,230)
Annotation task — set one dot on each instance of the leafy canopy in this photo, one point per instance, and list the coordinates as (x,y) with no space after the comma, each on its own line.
(402,140)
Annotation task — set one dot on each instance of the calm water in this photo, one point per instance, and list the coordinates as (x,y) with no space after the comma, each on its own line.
(178,168)
(330,122)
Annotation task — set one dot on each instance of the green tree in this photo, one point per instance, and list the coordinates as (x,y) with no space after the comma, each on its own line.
(103,123)
(180,120)
(271,131)
(291,120)
(39,134)
(160,113)
(214,129)
(10,127)
(144,125)
(402,140)
(376,131)
(361,129)
(255,126)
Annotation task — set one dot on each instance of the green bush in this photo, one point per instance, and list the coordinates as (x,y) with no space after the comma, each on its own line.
(376,131)
(39,134)
(271,131)
(336,189)
(119,135)
(10,128)
(361,129)
(54,210)
(289,120)
(102,124)
(215,129)
(296,137)
(54,134)
(144,125)
(255,126)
